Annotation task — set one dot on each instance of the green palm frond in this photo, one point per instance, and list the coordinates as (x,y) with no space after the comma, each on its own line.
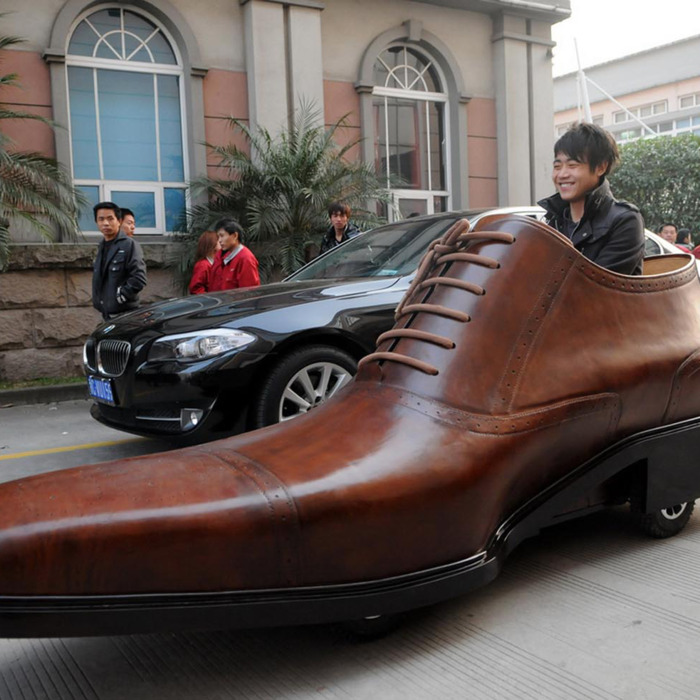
(279,187)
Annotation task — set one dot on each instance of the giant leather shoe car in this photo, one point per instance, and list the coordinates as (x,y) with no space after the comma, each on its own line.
(499,403)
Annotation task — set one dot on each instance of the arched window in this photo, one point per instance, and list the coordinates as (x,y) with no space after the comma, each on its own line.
(409,107)
(126,117)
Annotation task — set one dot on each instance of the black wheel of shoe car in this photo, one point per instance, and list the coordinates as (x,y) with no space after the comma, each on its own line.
(369,628)
(301,381)
(665,522)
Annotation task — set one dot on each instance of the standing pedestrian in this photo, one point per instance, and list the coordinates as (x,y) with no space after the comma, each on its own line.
(340,229)
(128,222)
(669,232)
(119,273)
(683,240)
(207,248)
(234,265)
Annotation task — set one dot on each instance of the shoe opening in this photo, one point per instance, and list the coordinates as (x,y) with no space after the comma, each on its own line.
(659,264)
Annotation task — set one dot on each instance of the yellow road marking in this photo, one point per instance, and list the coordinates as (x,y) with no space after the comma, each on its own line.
(68,448)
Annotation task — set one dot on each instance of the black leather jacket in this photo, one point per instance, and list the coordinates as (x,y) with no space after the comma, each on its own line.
(610,233)
(123,269)
(330,241)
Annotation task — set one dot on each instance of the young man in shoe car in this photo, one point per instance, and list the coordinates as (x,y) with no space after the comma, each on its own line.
(234,265)
(340,229)
(119,273)
(607,232)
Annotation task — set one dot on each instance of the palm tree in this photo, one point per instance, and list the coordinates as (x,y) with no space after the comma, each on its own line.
(279,191)
(33,188)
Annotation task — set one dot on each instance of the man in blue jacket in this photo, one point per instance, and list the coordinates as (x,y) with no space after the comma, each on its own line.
(119,273)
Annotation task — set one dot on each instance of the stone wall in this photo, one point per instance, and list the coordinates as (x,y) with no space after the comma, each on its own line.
(46,310)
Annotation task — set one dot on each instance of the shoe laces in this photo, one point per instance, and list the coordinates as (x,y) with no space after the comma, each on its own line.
(432,272)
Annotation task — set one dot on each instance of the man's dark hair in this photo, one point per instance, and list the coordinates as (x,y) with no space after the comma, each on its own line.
(108,205)
(589,143)
(668,223)
(683,235)
(230,226)
(338,208)
(126,211)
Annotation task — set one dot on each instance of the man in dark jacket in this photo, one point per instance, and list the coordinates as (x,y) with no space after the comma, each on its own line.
(119,273)
(607,232)
(340,229)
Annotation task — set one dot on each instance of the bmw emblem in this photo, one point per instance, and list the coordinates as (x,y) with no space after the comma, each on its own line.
(109,328)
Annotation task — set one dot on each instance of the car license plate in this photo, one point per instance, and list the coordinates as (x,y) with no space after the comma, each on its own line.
(101,389)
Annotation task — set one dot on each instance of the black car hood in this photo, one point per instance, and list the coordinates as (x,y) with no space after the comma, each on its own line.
(206,310)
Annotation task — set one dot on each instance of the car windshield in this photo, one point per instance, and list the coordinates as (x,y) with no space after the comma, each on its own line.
(389,251)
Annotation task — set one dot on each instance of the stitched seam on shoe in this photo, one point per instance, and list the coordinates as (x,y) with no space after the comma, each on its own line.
(285,520)
(526,340)
(640,284)
(680,375)
(521,422)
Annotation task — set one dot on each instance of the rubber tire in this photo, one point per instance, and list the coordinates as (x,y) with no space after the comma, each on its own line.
(368,628)
(659,525)
(266,408)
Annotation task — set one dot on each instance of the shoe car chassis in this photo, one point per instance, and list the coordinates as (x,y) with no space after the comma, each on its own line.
(656,471)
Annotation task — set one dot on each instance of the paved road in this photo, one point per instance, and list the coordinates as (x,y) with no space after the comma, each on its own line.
(588,610)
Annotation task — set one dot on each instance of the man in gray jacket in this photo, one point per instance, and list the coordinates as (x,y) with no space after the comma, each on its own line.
(119,273)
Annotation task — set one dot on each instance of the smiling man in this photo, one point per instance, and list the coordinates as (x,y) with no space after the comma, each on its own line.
(119,273)
(608,232)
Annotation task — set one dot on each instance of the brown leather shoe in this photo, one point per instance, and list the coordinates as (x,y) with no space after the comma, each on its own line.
(519,378)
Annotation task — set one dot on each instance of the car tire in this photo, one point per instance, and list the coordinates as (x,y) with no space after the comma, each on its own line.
(665,522)
(301,381)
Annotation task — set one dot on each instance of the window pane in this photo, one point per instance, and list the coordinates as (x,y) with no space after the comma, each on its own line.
(696,121)
(110,47)
(687,102)
(174,208)
(412,207)
(645,111)
(380,160)
(659,108)
(439,204)
(106,21)
(437,143)
(157,44)
(665,126)
(87,219)
(83,123)
(170,129)
(620,117)
(143,204)
(404,157)
(682,123)
(83,40)
(127,125)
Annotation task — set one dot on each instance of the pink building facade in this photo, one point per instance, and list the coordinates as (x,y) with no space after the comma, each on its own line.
(452,96)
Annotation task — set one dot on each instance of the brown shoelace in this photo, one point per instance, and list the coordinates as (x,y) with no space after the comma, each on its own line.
(451,247)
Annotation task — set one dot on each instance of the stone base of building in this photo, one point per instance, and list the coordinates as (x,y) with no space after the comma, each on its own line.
(46,308)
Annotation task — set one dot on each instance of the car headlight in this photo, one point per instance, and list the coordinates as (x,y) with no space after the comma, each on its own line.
(201,345)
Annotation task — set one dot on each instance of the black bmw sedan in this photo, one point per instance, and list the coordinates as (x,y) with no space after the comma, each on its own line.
(207,365)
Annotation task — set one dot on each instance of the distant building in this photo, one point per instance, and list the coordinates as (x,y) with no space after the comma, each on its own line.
(661,86)
(454,96)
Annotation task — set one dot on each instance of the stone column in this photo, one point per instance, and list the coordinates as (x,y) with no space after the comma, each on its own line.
(522,66)
(283,59)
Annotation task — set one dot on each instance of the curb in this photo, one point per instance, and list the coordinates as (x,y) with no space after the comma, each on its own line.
(43,394)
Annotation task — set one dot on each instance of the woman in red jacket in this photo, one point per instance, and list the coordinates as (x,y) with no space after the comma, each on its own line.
(207,246)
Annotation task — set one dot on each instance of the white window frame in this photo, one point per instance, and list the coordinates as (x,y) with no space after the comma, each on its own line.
(418,96)
(157,187)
